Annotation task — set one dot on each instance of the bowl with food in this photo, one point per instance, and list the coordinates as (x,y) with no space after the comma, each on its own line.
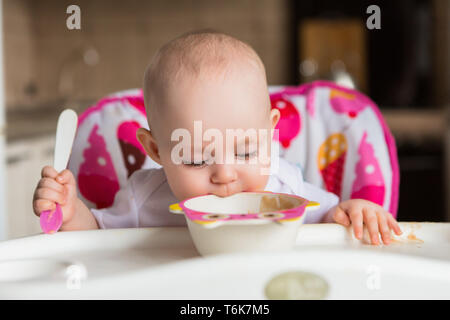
(244,222)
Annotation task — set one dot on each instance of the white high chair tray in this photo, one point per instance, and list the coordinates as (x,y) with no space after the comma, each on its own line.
(162,263)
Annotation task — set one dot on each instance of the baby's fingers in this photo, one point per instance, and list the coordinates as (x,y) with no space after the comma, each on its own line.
(66,177)
(384,228)
(393,224)
(40,205)
(51,184)
(371,221)
(357,223)
(341,217)
(49,172)
(49,194)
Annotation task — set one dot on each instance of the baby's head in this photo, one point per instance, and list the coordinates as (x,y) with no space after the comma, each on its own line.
(212,82)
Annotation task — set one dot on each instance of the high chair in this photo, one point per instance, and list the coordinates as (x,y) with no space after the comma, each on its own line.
(337,136)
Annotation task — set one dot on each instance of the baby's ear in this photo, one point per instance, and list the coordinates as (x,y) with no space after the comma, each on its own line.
(149,144)
(274,117)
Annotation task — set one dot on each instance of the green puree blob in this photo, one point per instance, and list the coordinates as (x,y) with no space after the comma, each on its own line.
(296,285)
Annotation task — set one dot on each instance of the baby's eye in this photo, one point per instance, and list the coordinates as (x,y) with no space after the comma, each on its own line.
(194,164)
(247,155)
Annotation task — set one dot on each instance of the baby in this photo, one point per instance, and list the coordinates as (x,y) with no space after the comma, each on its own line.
(219,82)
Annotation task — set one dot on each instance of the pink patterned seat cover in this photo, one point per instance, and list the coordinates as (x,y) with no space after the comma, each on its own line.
(106,151)
(340,140)
(336,135)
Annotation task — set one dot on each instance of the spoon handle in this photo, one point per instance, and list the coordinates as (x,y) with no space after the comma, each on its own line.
(65,134)
(51,221)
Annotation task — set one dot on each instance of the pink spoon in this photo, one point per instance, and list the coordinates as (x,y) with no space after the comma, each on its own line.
(50,220)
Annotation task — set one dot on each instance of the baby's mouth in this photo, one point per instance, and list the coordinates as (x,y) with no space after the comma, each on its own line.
(226,191)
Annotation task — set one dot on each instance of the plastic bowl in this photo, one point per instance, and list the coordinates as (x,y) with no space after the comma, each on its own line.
(244,222)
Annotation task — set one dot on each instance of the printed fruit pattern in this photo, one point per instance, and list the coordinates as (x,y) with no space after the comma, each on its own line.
(289,124)
(331,160)
(132,151)
(343,102)
(369,182)
(97,178)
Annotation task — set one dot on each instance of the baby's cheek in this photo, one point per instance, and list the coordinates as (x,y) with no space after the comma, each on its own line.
(254,179)
(185,184)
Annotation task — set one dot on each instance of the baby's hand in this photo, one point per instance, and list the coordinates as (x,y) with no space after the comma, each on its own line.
(56,188)
(359,211)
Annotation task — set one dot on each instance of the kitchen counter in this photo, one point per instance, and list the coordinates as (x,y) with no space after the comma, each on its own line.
(417,124)
(404,124)
(23,125)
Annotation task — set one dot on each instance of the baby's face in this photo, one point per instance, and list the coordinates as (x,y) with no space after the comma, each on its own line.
(237,102)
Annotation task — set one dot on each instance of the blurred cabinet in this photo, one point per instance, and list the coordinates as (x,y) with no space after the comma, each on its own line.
(447,165)
(330,49)
(422,157)
(24,161)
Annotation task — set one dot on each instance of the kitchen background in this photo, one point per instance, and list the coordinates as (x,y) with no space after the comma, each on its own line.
(404,67)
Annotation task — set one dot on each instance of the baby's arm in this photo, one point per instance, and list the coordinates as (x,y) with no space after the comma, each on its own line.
(61,188)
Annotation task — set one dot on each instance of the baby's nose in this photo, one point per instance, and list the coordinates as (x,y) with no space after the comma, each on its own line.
(223,173)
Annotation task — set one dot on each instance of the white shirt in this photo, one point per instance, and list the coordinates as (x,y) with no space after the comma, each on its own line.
(145,200)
